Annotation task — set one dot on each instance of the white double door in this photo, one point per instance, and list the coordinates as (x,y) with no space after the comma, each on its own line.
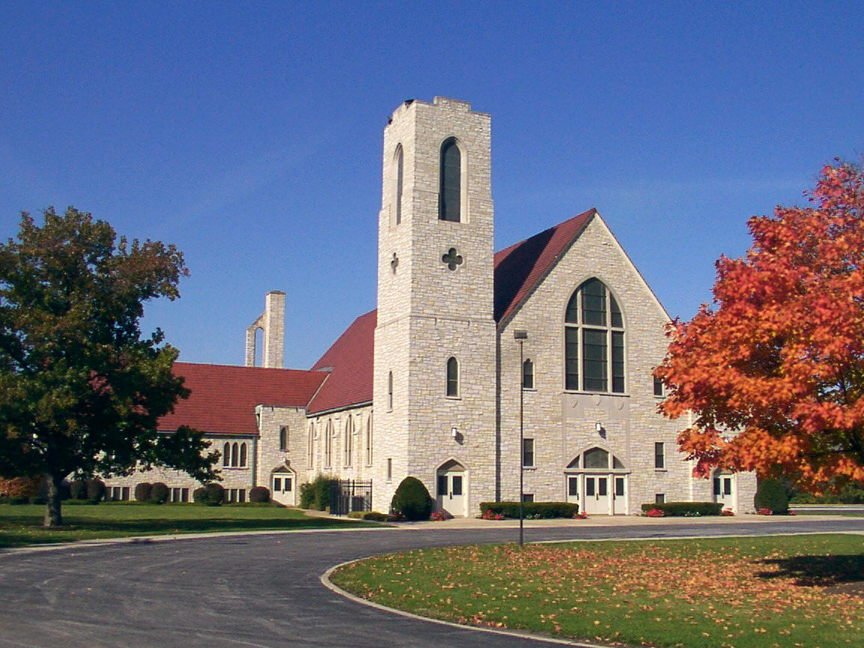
(598,494)
(451,492)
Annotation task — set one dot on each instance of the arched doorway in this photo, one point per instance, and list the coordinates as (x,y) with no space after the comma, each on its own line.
(598,481)
(283,485)
(451,492)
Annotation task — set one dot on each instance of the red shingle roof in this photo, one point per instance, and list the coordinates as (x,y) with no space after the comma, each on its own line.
(223,398)
(351,358)
(519,269)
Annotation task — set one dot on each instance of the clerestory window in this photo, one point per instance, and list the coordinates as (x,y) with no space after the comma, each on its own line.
(594,340)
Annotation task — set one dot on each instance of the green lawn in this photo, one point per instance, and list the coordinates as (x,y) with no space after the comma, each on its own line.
(718,593)
(22,525)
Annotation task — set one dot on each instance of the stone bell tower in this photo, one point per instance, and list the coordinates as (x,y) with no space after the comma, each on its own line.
(435,377)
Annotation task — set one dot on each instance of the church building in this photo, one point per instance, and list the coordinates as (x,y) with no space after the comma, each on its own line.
(552,340)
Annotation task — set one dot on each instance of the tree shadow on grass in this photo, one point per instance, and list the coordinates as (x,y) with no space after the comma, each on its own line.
(21,530)
(822,571)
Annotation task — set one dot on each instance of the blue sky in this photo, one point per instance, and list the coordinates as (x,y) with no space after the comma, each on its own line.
(249,134)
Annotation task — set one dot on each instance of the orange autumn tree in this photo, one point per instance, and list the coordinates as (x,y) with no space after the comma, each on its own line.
(773,372)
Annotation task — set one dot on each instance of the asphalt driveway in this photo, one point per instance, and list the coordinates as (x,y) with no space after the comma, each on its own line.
(261,590)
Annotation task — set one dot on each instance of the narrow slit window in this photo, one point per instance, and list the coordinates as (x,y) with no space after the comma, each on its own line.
(452,377)
(450,190)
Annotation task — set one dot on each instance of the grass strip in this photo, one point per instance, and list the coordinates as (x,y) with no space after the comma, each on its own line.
(22,525)
(768,592)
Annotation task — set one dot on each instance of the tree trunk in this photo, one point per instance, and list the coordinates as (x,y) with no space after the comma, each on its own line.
(53,513)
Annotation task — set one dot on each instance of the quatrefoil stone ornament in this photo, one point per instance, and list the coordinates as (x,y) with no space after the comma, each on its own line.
(452,259)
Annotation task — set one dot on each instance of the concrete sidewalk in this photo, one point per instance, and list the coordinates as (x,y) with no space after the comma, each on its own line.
(604,521)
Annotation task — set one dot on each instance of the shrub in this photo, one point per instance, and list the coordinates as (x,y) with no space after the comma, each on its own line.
(159,493)
(95,490)
(215,494)
(199,495)
(412,500)
(259,495)
(772,494)
(78,490)
(530,510)
(21,486)
(373,516)
(38,499)
(21,499)
(142,491)
(316,494)
(685,509)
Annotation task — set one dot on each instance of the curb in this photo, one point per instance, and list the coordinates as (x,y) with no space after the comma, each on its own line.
(325,580)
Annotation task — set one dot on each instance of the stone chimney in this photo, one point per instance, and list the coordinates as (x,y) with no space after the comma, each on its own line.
(272,324)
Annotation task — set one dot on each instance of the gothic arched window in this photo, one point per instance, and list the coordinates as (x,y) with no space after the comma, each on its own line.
(397,198)
(242,462)
(226,454)
(594,340)
(283,438)
(452,377)
(450,190)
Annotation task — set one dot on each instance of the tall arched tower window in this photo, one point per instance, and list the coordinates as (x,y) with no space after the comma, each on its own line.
(397,197)
(594,340)
(450,190)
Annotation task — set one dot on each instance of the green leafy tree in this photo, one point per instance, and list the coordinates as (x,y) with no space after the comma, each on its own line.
(81,390)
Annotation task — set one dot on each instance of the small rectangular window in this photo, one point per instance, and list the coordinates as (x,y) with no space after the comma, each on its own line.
(619,487)
(527,497)
(660,498)
(288,485)
(658,386)
(727,485)
(456,485)
(528,453)
(442,484)
(659,456)
(527,375)
(717,486)
(573,486)
(389,469)
(589,487)
(602,487)
(277,484)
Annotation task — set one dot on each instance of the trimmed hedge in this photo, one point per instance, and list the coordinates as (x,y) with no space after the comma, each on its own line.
(531,510)
(142,491)
(210,495)
(95,490)
(685,509)
(259,495)
(374,516)
(316,494)
(78,490)
(771,494)
(159,493)
(412,500)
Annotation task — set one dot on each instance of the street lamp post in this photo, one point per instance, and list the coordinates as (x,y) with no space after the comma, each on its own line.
(520,336)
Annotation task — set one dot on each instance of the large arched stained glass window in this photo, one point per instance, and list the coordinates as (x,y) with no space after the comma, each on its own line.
(450,190)
(594,340)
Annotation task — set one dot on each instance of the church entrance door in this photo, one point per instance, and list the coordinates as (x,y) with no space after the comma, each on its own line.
(597,494)
(452,488)
(724,492)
